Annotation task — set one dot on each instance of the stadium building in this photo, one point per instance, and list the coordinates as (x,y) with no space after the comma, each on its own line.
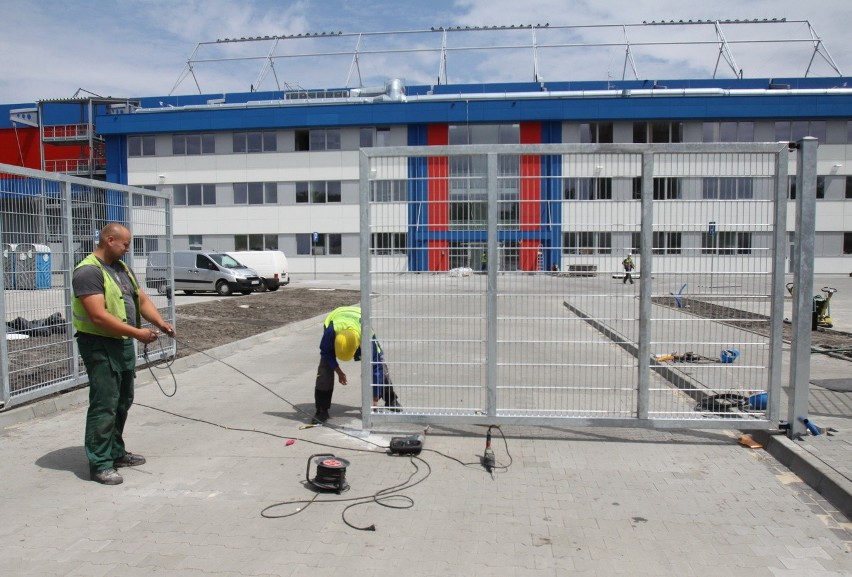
(279,169)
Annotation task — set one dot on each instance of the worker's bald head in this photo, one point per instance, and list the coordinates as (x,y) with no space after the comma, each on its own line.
(113,230)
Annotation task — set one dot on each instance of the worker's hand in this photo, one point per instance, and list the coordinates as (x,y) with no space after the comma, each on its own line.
(147,336)
(168,329)
(341,376)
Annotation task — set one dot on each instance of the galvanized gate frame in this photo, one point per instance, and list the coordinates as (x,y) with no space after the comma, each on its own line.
(490,415)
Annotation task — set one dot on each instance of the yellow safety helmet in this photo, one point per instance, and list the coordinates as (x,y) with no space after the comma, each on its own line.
(346,342)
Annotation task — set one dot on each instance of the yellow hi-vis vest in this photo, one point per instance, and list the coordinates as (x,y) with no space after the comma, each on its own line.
(345,318)
(113,299)
(348,318)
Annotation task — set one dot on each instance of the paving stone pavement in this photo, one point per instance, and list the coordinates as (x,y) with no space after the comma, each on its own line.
(587,502)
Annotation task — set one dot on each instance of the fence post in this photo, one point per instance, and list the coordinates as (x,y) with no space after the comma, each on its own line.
(492,187)
(800,349)
(643,364)
(364,182)
(779,250)
(5,389)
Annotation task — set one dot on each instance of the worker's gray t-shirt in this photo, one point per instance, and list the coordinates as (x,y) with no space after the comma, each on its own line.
(88,280)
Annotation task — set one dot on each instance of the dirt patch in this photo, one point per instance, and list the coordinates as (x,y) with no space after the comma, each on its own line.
(204,325)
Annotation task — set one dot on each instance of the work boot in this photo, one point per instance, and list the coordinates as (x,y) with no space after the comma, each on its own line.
(129,460)
(321,416)
(107,477)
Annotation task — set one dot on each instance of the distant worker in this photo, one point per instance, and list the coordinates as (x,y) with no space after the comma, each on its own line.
(108,307)
(628,265)
(341,341)
(483,260)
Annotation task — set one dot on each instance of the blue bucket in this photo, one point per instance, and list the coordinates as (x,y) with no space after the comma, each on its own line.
(729,355)
(758,401)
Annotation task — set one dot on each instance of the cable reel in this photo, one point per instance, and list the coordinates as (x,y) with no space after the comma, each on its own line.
(330,473)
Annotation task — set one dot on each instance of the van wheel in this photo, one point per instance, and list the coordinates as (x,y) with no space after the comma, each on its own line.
(272,289)
(189,293)
(262,287)
(246,292)
(223,288)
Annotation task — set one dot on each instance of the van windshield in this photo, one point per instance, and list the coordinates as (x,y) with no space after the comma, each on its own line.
(226,261)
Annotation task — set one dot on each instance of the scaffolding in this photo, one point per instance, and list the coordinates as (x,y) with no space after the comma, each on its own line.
(525,49)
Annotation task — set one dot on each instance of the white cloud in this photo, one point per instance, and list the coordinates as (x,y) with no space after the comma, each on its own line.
(50,48)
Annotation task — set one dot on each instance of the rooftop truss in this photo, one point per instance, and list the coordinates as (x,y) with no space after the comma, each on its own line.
(721,37)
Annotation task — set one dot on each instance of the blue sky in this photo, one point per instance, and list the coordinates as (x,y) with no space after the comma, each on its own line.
(51,48)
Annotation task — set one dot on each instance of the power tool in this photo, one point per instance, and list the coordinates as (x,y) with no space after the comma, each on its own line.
(488,460)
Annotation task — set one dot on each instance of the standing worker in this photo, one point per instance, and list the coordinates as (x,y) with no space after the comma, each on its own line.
(628,265)
(341,341)
(108,307)
(483,260)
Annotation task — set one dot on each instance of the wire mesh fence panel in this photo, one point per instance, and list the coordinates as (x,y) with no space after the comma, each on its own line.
(597,284)
(51,222)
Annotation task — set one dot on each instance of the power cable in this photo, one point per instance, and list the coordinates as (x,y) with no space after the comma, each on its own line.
(384,497)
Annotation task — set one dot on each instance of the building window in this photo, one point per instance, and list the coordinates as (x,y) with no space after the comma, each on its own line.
(195,240)
(266,141)
(786,131)
(318,139)
(191,144)
(726,243)
(140,146)
(635,242)
(255,193)
(666,243)
(727,188)
(587,189)
(144,245)
(388,191)
(143,199)
(383,137)
(366,140)
(596,133)
(667,188)
(485,134)
(388,243)
(587,243)
(255,242)
(847,243)
(195,194)
(325,244)
(318,192)
(849,187)
(657,132)
(820,187)
(728,131)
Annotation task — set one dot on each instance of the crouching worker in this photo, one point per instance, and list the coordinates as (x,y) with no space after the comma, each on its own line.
(341,341)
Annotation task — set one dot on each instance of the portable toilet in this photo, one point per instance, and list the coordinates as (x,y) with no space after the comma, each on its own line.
(25,267)
(43,266)
(9,266)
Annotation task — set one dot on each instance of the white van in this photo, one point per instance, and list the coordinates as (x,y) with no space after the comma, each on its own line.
(201,271)
(271,266)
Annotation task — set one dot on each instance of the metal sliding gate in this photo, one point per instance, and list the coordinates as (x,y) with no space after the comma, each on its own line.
(48,223)
(492,276)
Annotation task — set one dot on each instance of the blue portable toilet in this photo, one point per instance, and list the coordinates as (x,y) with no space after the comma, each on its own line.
(25,267)
(43,266)
(9,266)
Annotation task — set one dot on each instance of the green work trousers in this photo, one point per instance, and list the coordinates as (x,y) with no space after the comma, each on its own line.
(110,364)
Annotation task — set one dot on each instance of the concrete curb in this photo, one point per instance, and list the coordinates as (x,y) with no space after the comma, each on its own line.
(836,488)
